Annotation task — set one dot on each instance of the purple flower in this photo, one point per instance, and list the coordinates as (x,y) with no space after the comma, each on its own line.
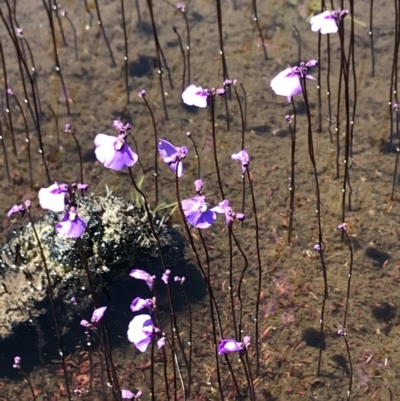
(179,279)
(197,212)
(16,209)
(172,155)
(165,276)
(53,197)
(83,187)
(341,227)
(142,93)
(113,152)
(67,128)
(140,303)
(85,323)
(317,247)
(198,185)
(17,362)
(142,275)
(243,158)
(327,22)
(71,226)
(229,345)
(180,7)
(287,83)
(128,395)
(20,32)
(161,342)
(140,331)
(196,96)
(98,314)
(341,333)
(225,208)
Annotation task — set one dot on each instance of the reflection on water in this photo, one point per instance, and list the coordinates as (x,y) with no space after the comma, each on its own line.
(94,93)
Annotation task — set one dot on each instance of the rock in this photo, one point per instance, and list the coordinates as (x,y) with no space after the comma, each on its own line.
(118,236)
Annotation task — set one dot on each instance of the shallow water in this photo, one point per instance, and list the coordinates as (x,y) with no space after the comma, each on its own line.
(292,279)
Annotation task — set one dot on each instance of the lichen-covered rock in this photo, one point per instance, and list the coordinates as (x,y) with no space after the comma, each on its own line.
(117,236)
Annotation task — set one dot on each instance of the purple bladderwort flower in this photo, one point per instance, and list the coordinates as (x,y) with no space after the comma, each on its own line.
(198,186)
(180,7)
(317,248)
(139,303)
(196,96)
(96,317)
(78,391)
(229,345)
(98,314)
(128,395)
(179,279)
(19,209)
(73,301)
(243,158)
(10,91)
(165,276)
(288,82)
(161,341)
(230,216)
(114,152)
(71,225)
(67,128)
(83,187)
(341,333)
(142,93)
(17,362)
(217,91)
(53,197)
(341,227)
(172,155)
(396,107)
(141,331)
(142,275)
(20,32)
(197,212)
(328,21)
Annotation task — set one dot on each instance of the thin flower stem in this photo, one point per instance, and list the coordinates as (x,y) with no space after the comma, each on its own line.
(187,45)
(100,22)
(78,148)
(158,52)
(106,344)
(74,33)
(8,107)
(256,20)
(175,30)
(318,212)
(239,290)
(259,265)
(208,264)
(3,145)
(349,275)
(292,185)
(351,368)
(371,36)
(232,301)
(196,154)
(328,85)
(53,308)
(56,59)
(126,51)
(214,136)
(26,377)
(155,148)
(55,8)
(27,140)
(173,320)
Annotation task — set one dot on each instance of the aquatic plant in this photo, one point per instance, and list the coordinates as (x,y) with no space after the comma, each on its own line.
(265,267)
